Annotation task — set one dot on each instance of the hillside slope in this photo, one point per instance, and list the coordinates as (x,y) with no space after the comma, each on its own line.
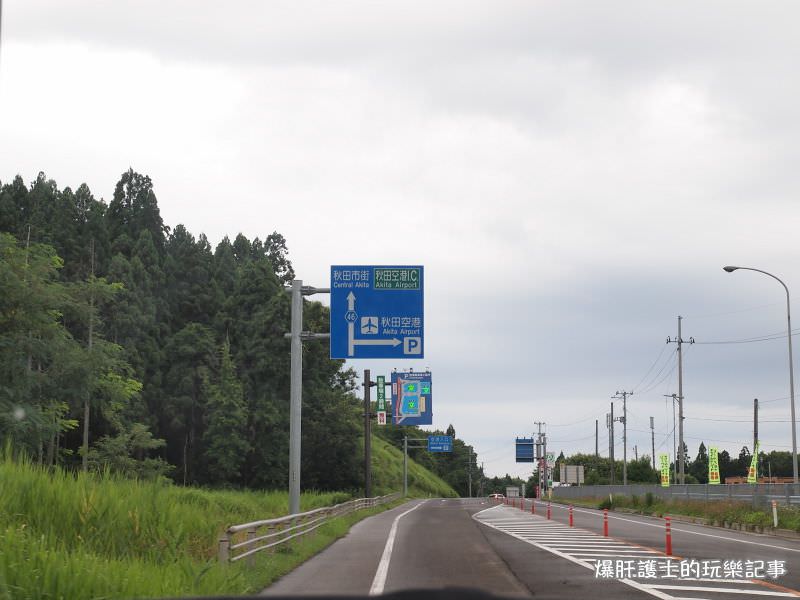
(387,474)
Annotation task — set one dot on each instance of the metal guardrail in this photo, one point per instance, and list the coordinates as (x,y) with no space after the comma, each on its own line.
(759,495)
(245,540)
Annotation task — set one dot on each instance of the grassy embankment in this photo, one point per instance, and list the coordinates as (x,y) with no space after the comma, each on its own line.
(87,536)
(713,512)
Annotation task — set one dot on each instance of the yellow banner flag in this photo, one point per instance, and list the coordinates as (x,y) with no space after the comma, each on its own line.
(752,472)
(713,466)
(664,458)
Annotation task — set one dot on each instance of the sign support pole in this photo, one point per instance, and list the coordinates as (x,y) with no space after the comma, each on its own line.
(296,385)
(405,466)
(296,397)
(367,436)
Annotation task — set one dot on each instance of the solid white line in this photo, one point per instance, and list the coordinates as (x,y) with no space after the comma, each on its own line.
(379,581)
(750,581)
(698,588)
(611,554)
(602,550)
(582,543)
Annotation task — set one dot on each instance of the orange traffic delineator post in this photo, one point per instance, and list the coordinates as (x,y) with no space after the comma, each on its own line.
(668,526)
(605,522)
(570,516)
(548,510)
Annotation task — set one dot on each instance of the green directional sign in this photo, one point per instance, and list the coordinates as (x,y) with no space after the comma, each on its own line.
(381,381)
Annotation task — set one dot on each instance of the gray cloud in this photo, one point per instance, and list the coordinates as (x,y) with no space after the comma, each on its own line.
(573,175)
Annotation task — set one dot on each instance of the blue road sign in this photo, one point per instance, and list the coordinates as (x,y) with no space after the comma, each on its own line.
(377,312)
(525,450)
(412,398)
(440,443)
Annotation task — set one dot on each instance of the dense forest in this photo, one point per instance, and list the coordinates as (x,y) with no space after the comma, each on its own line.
(132,346)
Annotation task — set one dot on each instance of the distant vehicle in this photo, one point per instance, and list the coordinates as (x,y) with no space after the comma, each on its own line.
(496,496)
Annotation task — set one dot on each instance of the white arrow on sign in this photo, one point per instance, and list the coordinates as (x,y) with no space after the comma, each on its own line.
(391,342)
(352,342)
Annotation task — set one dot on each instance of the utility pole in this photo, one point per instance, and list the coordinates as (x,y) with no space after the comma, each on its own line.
(653,441)
(546,466)
(542,456)
(624,419)
(298,336)
(680,341)
(755,428)
(469,469)
(367,435)
(674,442)
(611,444)
(636,452)
(596,431)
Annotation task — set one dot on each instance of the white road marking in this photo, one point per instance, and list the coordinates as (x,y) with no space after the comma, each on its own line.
(674,529)
(698,588)
(585,548)
(379,581)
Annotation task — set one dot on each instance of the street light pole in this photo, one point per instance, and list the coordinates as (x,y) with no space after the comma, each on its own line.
(730,269)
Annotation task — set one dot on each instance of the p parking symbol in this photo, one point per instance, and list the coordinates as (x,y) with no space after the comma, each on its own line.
(412,345)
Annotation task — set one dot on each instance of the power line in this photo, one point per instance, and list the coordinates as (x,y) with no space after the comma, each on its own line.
(573,440)
(767,337)
(578,422)
(636,387)
(664,378)
(732,312)
(649,384)
(737,420)
(736,443)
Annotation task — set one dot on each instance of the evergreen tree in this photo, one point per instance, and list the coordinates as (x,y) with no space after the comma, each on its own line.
(189,362)
(699,467)
(225,445)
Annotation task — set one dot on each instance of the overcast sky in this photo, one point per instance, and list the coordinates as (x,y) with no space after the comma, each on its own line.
(573,176)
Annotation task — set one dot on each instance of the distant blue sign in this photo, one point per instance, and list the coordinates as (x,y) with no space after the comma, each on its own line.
(525,450)
(377,312)
(440,443)
(412,398)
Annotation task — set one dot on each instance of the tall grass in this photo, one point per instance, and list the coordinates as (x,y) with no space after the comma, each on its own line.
(66,535)
(122,518)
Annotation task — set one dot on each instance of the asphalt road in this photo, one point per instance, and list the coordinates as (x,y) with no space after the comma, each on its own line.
(508,551)
(474,543)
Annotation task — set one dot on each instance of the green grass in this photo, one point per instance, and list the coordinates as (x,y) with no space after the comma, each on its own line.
(713,512)
(64,535)
(387,474)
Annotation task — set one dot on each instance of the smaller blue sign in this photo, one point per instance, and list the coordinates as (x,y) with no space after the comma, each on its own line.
(440,443)
(412,398)
(525,450)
